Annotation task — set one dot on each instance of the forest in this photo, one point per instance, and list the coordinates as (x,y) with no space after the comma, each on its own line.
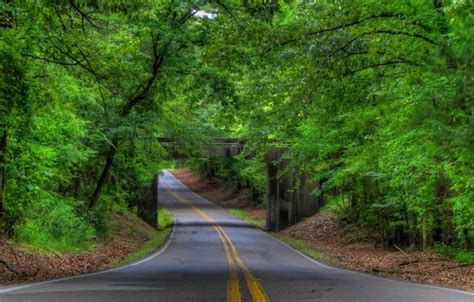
(374,99)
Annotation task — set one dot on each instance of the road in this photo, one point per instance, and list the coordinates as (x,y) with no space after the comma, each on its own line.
(213,256)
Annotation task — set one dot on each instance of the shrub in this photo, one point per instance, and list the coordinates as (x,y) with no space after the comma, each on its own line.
(54,224)
(165,218)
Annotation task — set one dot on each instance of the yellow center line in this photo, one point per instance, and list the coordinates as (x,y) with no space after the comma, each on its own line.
(255,288)
(233,288)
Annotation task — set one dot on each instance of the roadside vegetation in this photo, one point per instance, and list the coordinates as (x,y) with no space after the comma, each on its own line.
(373,100)
(248,217)
(337,242)
(128,239)
(165,219)
(239,175)
(85,88)
(156,239)
(304,247)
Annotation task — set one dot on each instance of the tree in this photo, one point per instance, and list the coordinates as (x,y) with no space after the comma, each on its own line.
(372,99)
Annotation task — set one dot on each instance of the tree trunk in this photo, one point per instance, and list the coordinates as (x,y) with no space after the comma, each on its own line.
(105,173)
(158,60)
(354,202)
(424,232)
(3,147)
(77,187)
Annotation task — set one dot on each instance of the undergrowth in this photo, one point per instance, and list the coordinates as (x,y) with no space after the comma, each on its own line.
(247,217)
(157,239)
(165,219)
(303,247)
(54,224)
(456,254)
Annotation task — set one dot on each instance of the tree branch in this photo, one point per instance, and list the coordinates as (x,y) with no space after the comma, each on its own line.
(390,32)
(12,268)
(158,60)
(403,33)
(342,26)
(84,15)
(49,60)
(79,62)
(388,63)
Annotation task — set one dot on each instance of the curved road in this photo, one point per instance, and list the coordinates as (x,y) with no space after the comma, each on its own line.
(212,256)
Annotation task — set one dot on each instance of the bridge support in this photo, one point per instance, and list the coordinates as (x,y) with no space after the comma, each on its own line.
(146,202)
(289,198)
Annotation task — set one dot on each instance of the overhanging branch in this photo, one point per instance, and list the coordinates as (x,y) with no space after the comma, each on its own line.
(388,63)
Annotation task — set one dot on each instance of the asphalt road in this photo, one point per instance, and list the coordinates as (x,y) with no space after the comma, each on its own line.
(213,256)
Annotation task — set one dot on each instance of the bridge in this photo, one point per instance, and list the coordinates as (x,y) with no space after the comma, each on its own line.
(288,197)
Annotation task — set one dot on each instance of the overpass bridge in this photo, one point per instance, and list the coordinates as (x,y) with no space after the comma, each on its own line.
(288,197)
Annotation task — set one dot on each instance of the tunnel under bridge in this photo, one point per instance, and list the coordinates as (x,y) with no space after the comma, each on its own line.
(288,197)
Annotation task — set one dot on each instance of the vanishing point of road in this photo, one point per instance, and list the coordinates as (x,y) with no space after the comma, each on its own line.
(213,256)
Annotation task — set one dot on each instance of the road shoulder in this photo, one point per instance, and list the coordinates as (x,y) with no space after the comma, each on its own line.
(324,239)
(130,240)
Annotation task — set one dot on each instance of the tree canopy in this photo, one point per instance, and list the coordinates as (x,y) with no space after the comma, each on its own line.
(375,100)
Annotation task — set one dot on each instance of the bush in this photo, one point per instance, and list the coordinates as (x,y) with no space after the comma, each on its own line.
(165,218)
(238,174)
(54,224)
(455,253)
(338,206)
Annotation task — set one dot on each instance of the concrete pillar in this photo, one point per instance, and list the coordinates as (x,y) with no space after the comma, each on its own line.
(271,196)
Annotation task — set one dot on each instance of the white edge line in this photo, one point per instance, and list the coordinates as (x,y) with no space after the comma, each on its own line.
(264,232)
(152,256)
(314,261)
(300,253)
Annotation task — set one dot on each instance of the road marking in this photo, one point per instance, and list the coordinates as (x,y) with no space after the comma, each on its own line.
(264,232)
(233,288)
(315,261)
(256,289)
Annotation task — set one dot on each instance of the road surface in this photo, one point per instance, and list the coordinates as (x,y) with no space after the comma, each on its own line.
(213,256)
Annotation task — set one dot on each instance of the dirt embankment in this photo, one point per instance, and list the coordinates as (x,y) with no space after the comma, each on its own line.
(326,234)
(17,264)
(340,245)
(218,194)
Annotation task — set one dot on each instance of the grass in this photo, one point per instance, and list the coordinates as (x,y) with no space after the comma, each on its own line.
(304,247)
(247,217)
(460,255)
(46,252)
(158,239)
(297,244)
(165,219)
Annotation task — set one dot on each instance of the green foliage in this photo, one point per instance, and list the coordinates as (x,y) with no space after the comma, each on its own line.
(54,224)
(165,219)
(83,97)
(455,253)
(157,240)
(238,174)
(338,206)
(304,247)
(247,217)
(373,98)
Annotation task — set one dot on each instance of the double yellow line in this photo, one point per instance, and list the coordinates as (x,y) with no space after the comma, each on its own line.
(233,288)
